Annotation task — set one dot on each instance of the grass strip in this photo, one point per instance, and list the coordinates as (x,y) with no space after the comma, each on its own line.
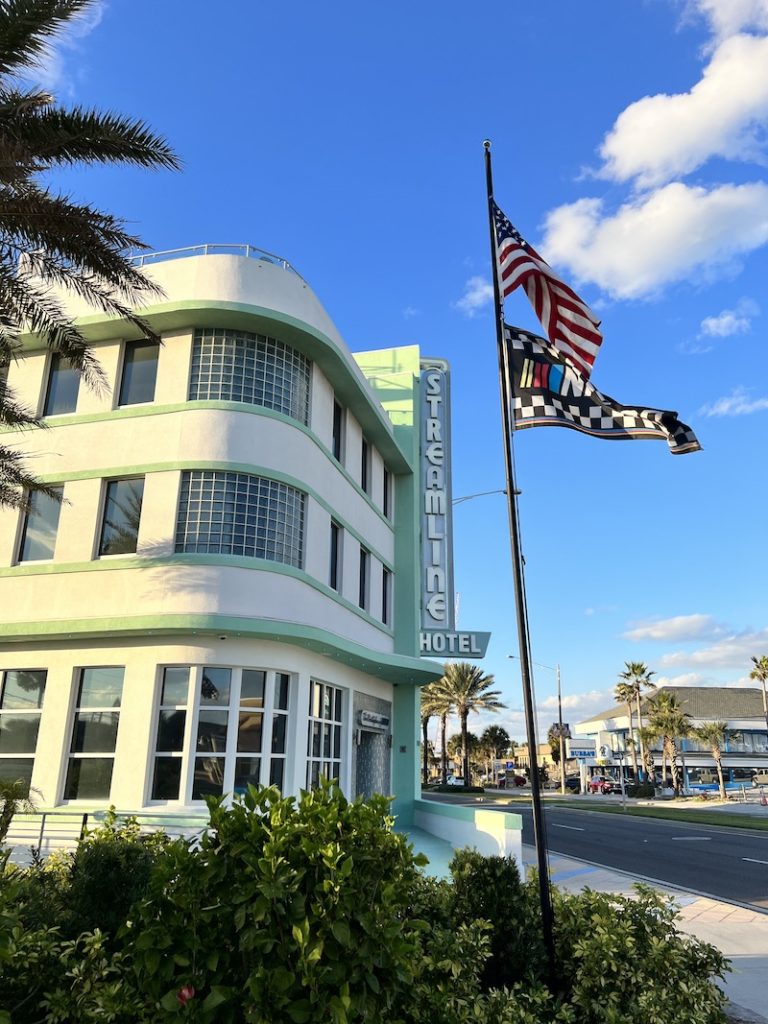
(724,820)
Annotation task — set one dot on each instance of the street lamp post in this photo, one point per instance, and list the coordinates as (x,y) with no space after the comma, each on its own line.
(560,729)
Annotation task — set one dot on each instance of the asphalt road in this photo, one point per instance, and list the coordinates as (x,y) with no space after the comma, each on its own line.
(721,862)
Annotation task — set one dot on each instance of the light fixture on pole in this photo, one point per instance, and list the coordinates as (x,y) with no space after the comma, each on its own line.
(560,728)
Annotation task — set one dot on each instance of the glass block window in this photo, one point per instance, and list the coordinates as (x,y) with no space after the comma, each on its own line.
(21,701)
(171,726)
(94,733)
(324,737)
(41,524)
(63,387)
(137,384)
(235,366)
(239,514)
(121,517)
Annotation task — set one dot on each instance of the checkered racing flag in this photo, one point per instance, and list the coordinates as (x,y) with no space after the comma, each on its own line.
(547,392)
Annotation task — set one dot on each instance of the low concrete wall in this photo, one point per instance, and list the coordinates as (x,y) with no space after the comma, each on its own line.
(489,832)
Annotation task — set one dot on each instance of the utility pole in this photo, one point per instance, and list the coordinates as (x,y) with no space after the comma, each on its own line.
(560,729)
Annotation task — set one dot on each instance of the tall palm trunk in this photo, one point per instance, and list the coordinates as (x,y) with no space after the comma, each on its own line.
(443,751)
(464,751)
(675,767)
(631,736)
(640,736)
(717,755)
(425,749)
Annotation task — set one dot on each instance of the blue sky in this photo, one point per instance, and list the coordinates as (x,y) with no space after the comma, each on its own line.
(629,146)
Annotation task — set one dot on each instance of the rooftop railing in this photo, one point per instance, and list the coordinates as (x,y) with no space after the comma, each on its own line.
(250,252)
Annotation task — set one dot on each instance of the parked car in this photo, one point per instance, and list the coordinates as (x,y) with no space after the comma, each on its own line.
(603,784)
(573,784)
(760,778)
(519,780)
(455,780)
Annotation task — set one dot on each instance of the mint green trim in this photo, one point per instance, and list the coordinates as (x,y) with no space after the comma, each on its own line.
(512,822)
(332,359)
(236,561)
(229,467)
(406,704)
(393,668)
(133,411)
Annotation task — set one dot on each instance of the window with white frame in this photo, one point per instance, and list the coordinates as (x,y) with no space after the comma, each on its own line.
(121,516)
(94,733)
(238,737)
(170,733)
(41,525)
(324,756)
(21,702)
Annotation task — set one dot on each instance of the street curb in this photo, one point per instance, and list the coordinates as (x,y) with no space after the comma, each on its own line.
(657,882)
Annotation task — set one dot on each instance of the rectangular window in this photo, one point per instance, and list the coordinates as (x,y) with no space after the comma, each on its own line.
(365,467)
(386,501)
(139,372)
(94,733)
(63,387)
(338,432)
(171,724)
(324,733)
(335,573)
(365,558)
(211,741)
(21,700)
(386,596)
(122,515)
(41,524)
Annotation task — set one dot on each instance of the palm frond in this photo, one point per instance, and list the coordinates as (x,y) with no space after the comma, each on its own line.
(26,26)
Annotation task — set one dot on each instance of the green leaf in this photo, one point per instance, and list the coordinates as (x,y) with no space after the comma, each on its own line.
(341,933)
(300,1011)
(215,997)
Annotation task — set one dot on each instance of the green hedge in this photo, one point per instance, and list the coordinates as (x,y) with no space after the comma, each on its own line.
(316,912)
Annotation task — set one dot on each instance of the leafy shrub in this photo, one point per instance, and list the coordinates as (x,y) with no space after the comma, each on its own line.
(620,959)
(644,790)
(109,872)
(490,888)
(288,912)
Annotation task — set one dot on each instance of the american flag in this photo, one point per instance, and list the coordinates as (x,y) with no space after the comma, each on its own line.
(569,323)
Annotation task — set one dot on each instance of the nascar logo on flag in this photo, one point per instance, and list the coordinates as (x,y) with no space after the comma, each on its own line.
(548,392)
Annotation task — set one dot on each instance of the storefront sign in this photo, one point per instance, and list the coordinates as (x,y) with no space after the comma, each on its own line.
(374,721)
(436,529)
(454,644)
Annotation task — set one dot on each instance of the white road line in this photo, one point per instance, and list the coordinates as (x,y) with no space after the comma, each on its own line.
(752,860)
(573,828)
(691,839)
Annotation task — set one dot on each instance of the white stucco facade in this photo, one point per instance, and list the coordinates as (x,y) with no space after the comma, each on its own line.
(259,594)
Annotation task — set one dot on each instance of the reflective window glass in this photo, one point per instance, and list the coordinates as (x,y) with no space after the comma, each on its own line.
(101,687)
(89,778)
(139,372)
(41,523)
(167,779)
(122,516)
(63,387)
(18,733)
(22,690)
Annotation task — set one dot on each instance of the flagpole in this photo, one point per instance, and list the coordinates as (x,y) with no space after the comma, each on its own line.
(505,388)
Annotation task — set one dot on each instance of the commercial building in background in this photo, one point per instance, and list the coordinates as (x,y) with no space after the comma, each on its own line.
(745,752)
(230,591)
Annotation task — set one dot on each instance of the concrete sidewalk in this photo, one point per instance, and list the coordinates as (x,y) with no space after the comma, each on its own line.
(741,934)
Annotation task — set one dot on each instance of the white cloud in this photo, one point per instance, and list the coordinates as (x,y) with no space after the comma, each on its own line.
(726,17)
(410,312)
(738,403)
(733,651)
(729,321)
(53,72)
(679,627)
(478,293)
(675,233)
(659,138)
(684,679)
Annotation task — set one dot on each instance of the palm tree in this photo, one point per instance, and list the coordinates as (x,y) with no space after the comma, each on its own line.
(455,750)
(760,672)
(647,735)
(429,708)
(468,689)
(713,734)
(672,724)
(47,241)
(636,677)
(494,743)
(15,795)
(624,694)
(440,704)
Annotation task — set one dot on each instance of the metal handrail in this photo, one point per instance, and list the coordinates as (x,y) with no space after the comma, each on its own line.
(213,249)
